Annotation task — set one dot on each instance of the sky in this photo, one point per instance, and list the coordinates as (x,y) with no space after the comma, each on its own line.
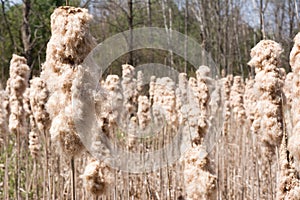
(16,1)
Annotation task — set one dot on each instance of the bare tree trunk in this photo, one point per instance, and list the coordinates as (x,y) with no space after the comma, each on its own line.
(149,10)
(261,19)
(7,25)
(130,23)
(262,9)
(226,41)
(26,32)
(219,48)
(186,17)
(297,14)
(291,18)
(279,19)
(282,18)
(170,36)
(168,29)
(198,11)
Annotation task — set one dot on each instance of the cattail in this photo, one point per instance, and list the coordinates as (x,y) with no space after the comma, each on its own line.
(294,140)
(226,85)
(34,143)
(193,109)
(3,114)
(68,45)
(288,88)
(199,182)
(164,101)
(182,85)
(112,105)
(129,89)
(139,81)
(132,130)
(237,100)
(181,98)
(267,119)
(289,183)
(16,86)
(203,73)
(250,98)
(35,99)
(34,134)
(197,96)
(288,102)
(294,62)
(101,114)
(202,84)
(143,113)
(63,131)
(152,88)
(97,178)
(215,99)
(268,84)
(66,49)
(38,99)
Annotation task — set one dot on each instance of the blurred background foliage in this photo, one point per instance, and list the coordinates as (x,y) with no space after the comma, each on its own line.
(226,29)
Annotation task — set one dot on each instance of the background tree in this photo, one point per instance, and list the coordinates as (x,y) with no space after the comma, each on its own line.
(226,29)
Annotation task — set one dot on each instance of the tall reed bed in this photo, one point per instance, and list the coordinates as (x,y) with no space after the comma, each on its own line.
(242,135)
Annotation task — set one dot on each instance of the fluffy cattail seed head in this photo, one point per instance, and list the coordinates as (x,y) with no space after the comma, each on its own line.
(16,86)
(265,55)
(68,46)
(97,178)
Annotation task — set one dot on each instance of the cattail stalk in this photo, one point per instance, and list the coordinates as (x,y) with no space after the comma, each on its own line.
(164,101)
(198,180)
(66,49)
(181,97)
(268,84)
(237,100)
(143,113)
(97,178)
(5,139)
(289,183)
(152,88)
(140,82)
(3,116)
(16,86)
(40,123)
(250,97)
(226,84)
(294,140)
(267,121)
